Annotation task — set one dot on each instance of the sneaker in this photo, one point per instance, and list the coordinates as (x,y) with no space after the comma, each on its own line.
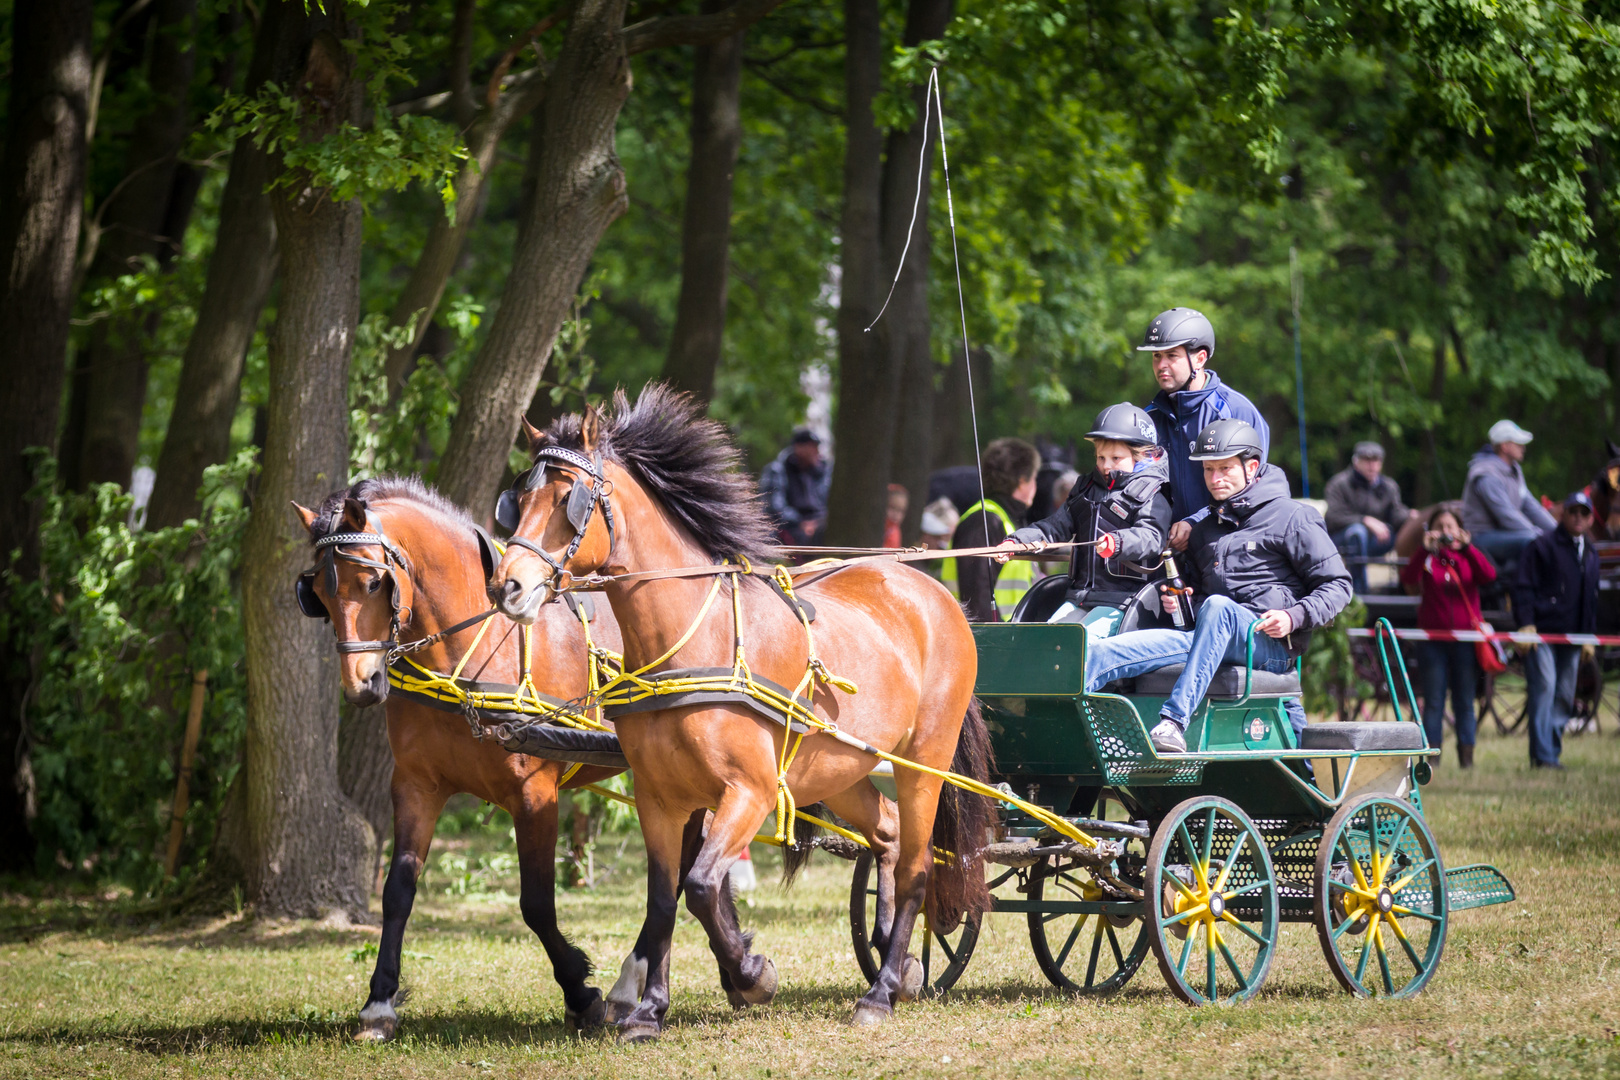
(1167,738)
(1559,765)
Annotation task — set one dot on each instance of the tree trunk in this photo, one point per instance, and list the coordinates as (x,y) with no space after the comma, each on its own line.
(868,379)
(41,199)
(578,193)
(304,848)
(366,766)
(114,371)
(700,315)
(908,325)
(239,275)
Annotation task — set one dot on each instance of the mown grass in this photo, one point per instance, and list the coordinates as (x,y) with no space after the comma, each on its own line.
(1529,989)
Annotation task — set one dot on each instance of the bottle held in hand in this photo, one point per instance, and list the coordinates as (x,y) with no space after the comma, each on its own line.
(1181,613)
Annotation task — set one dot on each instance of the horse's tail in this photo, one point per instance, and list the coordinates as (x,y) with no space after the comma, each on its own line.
(796,856)
(957,886)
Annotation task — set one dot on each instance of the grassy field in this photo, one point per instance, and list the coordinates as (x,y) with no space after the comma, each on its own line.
(1528,989)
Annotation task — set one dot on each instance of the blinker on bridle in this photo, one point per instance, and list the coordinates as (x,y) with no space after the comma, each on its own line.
(583,499)
(328,550)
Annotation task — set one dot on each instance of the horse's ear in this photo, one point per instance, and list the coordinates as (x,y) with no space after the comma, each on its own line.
(306,515)
(590,428)
(535,435)
(354,515)
(1614,448)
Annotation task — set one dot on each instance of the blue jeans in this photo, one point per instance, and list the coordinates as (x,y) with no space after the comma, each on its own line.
(1448,664)
(1549,672)
(1220,636)
(1357,542)
(1504,545)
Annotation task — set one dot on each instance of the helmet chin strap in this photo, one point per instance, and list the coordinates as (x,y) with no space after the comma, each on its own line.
(1195,372)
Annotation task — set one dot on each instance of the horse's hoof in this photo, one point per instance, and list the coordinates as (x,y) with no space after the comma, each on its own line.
(590,1018)
(869,1015)
(614,1012)
(638,1033)
(378,1022)
(736,999)
(764,988)
(911,979)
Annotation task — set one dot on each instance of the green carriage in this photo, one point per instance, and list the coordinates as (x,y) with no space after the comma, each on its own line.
(1203,855)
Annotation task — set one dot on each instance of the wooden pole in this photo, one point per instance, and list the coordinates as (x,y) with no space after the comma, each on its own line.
(182,786)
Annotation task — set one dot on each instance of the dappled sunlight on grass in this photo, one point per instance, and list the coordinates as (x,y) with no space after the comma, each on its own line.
(1529,989)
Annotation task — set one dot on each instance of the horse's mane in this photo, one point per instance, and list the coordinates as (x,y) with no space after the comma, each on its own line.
(329,518)
(688,462)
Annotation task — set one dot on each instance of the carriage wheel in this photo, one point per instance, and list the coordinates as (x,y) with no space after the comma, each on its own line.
(1084,954)
(944,956)
(1381,903)
(1215,927)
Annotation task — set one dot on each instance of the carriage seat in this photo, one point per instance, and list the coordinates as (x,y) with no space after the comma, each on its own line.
(1363,735)
(1227,683)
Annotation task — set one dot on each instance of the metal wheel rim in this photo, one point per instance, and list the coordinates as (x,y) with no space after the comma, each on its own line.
(1115,952)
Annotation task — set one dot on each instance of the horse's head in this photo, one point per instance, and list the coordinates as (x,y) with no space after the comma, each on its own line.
(561,522)
(360,583)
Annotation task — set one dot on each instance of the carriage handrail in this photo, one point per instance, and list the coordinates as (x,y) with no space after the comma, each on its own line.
(1248,674)
(1386,633)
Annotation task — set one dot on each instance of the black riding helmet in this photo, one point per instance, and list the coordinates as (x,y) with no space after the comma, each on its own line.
(1226,439)
(1179,326)
(1124,423)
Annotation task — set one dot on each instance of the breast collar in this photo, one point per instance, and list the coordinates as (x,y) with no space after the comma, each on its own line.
(583,500)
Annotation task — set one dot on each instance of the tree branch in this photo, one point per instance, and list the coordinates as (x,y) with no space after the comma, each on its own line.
(695,29)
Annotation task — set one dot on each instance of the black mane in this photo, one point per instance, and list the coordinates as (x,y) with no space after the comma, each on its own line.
(688,462)
(329,518)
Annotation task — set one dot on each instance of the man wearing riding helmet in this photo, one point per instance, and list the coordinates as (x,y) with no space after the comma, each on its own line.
(1121,506)
(1257,559)
(1190,398)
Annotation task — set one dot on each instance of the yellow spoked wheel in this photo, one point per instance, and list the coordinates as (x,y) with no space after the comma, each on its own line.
(1381,905)
(1214,925)
(944,956)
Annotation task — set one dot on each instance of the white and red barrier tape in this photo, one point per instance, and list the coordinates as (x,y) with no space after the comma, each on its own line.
(1476,635)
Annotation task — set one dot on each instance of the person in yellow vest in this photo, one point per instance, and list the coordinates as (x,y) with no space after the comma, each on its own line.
(989,590)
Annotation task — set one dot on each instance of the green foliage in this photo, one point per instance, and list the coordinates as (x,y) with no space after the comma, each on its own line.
(115,626)
(1328,675)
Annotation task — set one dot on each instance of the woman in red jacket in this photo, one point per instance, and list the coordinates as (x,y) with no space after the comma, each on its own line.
(1448,573)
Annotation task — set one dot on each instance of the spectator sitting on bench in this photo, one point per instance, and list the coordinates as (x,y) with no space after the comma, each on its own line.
(1364,510)
(1259,558)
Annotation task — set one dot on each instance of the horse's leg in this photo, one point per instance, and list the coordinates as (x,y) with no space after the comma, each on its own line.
(662,832)
(752,978)
(536,827)
(919,799)
(632,982)
(416,812)
(878,820)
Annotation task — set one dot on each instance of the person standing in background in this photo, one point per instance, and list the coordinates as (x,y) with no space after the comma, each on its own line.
(1364,510)
(1498,508)
(894,514)
(1556,593)
(1447,574)
(989,591)
(795,489)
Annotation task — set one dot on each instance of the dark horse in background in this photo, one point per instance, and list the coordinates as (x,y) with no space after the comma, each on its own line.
(441,583)
(666,491)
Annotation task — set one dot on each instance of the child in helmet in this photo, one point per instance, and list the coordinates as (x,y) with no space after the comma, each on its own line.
(1121,504)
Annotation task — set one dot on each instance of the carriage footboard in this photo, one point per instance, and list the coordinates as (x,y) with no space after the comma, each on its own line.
(1480,885)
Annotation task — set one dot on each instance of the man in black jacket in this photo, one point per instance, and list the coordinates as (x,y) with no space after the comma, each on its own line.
(1259,559)
(1556,593)
(1364,510)
(1122,508)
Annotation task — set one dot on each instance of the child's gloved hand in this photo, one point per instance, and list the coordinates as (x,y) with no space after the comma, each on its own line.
(1107,545)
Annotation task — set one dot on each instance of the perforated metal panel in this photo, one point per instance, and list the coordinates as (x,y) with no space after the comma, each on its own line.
(1121,743)
(1480,885)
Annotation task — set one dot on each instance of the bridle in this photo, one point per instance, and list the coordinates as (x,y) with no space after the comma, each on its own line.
(329,549)
(583,499)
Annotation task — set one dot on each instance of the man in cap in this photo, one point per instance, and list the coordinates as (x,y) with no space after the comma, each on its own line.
(1498,509)
(1190,398)
(795,489)
(1258,559)
(1364,510)
(1556,593)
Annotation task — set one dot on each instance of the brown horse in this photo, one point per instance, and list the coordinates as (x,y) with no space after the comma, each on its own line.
(430,577)
(658,487)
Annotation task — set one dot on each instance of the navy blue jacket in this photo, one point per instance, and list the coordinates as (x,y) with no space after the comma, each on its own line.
(1180,417)
(1555,592)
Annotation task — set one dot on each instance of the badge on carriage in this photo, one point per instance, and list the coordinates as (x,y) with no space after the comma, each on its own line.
(1256,731)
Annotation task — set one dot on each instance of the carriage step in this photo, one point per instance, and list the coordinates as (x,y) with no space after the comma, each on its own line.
(1479,885)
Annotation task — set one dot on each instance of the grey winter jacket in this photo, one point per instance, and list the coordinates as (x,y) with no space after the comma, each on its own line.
(1350,498)
(1135,507)
(1496,499)
(1266,551)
